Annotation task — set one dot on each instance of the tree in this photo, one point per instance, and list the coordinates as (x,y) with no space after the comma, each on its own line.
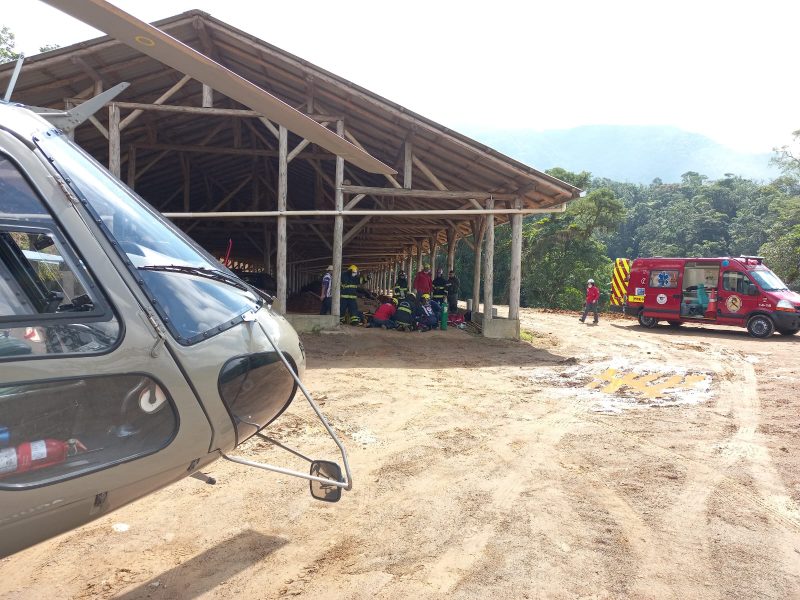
(7,43)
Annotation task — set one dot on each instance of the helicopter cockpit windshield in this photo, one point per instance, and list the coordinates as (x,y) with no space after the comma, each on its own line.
(195,295)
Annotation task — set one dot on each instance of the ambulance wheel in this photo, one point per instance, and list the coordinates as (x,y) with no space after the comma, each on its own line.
(788,331)
(675,324)
(648,322)
(760,326)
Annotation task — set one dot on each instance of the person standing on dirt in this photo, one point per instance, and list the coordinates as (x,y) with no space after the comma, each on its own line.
(326,291)
(453,287)
(348,304)
(592,299)
(440,287)
(423,284)
(401,285)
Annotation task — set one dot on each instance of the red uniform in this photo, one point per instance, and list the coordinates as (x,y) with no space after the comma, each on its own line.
(385,311)
(423,283)
(592,294)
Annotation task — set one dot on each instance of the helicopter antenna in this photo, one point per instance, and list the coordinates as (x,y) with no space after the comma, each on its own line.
(13,81)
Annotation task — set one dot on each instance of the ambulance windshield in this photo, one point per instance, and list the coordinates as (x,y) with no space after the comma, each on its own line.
(194,294)
(768,281)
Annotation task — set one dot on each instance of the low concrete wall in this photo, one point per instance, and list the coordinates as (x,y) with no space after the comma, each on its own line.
(307,323)
(498,327)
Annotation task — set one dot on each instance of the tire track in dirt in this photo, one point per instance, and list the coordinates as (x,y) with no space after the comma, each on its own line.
(571,491)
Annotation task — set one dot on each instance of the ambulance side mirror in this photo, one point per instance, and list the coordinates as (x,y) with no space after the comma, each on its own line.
(752,290)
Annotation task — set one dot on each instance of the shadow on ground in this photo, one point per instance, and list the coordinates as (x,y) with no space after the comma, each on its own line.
(362,348)
(206,571)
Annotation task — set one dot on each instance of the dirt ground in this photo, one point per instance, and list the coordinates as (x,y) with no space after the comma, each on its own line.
(591,462)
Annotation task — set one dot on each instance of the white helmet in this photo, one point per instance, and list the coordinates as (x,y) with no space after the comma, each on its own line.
(590,281)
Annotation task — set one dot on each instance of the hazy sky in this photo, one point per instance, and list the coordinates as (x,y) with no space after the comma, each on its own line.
(725,69)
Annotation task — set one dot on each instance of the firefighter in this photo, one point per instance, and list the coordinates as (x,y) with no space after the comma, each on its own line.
(453,288)
(440,288)
(348,306)
(427,315)
(592,297)
(405,314)
(401,285)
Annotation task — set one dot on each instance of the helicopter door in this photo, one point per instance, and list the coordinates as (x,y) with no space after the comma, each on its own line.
(93,411)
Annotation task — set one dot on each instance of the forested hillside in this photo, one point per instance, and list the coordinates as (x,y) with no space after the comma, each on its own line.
(696,217)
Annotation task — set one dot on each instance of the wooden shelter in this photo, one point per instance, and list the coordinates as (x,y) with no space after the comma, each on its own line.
(223,172)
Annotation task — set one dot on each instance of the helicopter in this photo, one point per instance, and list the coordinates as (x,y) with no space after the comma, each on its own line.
(130,358)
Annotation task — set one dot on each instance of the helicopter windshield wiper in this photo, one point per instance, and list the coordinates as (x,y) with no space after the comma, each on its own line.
(199,272)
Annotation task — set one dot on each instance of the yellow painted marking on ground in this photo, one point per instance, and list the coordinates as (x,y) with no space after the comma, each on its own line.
(611,381)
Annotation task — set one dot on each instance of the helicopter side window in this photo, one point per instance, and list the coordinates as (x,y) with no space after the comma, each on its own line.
(48,302)
(59,429)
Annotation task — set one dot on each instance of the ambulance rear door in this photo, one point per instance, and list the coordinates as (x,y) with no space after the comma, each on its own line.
(663,291)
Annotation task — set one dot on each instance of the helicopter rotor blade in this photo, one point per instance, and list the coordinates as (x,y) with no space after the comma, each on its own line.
(158,45)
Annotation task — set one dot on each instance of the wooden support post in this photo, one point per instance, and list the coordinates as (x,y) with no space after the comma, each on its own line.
(452,243)
(477,234)
(338,231)
(283,183)
(516,264)
(208,96)
(488,265)
(420,263)
(114,161)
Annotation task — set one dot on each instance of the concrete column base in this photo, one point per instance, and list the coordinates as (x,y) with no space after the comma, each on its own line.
(307,323)
(498,327)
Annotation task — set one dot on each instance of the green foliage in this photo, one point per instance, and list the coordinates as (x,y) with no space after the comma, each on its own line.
(7,43)
(731,216)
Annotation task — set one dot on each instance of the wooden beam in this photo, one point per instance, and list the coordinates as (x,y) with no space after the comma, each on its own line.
(355,229)
(351,138)
(249,214)
(299,148)
(355,200)
(159,101)
(93,74)
(432,194)
(325,241)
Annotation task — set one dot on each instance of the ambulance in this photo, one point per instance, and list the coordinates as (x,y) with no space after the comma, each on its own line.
(738,291)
